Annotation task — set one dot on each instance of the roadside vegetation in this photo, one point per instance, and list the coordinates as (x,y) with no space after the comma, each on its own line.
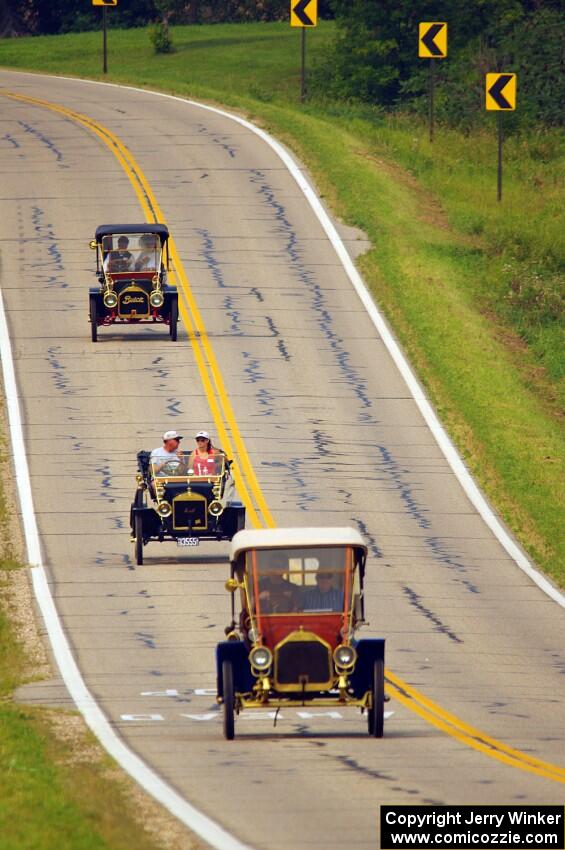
(58,789)
(473,288)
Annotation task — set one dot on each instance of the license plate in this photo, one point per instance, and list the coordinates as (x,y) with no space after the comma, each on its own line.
(188,541)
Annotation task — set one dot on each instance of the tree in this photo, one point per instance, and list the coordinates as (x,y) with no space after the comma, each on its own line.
(374,57)
(17,17)
(375,49)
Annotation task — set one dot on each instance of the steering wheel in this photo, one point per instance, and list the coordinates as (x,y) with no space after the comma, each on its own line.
(172,467)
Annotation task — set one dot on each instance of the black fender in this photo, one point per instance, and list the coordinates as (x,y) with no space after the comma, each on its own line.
(94,292)
(368,651)
(236,652)
(101,309)
(170,294)
(149,518)
(233,519)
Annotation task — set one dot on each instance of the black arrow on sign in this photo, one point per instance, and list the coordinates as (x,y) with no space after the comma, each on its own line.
(428,39)
(300,12)
(495,91)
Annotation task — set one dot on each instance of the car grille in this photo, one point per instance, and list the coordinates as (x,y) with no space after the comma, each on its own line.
(302,662)
(133,303)
(189,514)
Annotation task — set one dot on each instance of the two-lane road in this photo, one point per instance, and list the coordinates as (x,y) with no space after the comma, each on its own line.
(332,436)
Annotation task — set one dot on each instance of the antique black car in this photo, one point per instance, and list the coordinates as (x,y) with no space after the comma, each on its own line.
(185,502)
(291,640)
(132,261)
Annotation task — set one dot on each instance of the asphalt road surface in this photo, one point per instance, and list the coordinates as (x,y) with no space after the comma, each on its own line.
(333,437)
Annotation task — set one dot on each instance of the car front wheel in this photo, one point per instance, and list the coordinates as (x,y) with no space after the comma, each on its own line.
(138,528)
(93,319)
(174,318)
(229,700)
(376,713)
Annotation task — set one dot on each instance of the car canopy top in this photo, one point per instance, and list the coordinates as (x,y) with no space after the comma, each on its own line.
(160,230)
(287,538)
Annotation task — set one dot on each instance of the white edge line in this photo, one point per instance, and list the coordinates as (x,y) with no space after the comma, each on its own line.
(95,718)
(93,715)
(448,449)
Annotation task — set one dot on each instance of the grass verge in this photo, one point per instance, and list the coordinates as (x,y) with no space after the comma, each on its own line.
(58,789)
(471,287)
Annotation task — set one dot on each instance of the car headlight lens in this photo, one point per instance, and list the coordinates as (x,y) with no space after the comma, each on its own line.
(156,298)
(261,658)
(164,509)
(215,508)
(345,657)
(110,299)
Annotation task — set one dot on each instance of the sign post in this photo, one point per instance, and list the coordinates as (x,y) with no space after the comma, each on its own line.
(500,95)
(432,44)
(304,14)
(104,3)
(105,39)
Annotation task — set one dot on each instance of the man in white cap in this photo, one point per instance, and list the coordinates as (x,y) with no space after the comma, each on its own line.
(168,451)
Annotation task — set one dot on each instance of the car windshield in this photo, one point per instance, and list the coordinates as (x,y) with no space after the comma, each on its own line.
(131,252)
(308,580)
(188,466)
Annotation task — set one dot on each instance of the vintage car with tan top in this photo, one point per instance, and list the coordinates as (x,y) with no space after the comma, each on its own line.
(297,603)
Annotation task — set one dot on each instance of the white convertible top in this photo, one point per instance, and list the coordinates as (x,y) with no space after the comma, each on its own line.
(283,538)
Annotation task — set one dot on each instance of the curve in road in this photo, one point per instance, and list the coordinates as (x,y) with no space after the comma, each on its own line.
(402,689)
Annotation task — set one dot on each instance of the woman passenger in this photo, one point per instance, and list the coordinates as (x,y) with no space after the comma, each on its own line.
(203,459)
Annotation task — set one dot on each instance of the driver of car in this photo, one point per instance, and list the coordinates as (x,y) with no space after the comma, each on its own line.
(168,452)
(277,595)
(120,260)
(146,259)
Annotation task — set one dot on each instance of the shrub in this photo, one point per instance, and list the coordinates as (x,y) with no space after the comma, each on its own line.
(161,38)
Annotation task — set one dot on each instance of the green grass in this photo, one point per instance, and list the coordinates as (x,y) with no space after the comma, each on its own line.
(472,287)
(57,792)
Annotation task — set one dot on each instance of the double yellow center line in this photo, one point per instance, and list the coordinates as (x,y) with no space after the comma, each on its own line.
(246,480)
(220,405)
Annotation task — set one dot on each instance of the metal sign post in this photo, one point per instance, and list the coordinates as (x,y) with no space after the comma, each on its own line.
(104,4)
(105,40)
(431,98)
(499,176)
(304,14)
(432,44)
(303,68)
(500,94)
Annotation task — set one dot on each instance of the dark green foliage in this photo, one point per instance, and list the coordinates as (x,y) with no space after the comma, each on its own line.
(50,17)
(371,54)
(374,57)
(536,48)
(236,11)
(159,33)
(161,38)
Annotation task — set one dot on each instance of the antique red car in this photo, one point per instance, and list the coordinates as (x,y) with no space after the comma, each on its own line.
(291,640)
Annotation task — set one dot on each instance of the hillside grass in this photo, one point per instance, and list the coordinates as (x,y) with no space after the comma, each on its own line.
(473,288)
(58,788)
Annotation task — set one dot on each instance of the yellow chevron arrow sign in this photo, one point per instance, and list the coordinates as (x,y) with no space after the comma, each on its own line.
(500,92)
(432,40)
(303,13)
